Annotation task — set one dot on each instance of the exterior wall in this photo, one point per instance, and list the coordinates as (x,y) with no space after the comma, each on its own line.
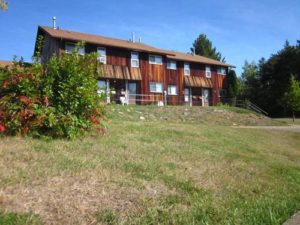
(150,72)
(50,47)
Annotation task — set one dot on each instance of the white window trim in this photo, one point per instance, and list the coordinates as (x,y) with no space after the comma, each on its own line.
(155,56)
(169,65)
(137,60)
(188,69)
(207,72)
(99,57)
(172,93)
(153,82)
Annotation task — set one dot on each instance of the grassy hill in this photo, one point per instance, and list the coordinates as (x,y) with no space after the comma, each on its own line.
(155,167)
(221,115)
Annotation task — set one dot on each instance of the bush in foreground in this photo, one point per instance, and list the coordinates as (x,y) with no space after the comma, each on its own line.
(58,99)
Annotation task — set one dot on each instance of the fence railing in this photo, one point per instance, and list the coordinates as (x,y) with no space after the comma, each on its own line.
(244,104)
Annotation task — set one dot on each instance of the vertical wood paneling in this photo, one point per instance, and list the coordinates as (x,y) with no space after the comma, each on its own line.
(150,72)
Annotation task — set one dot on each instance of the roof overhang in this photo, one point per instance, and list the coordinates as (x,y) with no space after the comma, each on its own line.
(119,72)
(193,81)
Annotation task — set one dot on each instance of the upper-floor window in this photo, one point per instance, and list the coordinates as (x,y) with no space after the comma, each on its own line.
(156,87)
(134,59)
(70,47)
(187,69)
(208,72)
(222,71)
(172,90)
(102,55)
(172,65)
(155,59)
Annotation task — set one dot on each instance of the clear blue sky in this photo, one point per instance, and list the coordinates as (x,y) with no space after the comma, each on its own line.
(239,29)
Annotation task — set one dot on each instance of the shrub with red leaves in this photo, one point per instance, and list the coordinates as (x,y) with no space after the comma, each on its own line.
(47,99)
(2,128)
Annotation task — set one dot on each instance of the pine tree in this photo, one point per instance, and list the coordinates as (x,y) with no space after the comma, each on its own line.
(203,46)
(291,97)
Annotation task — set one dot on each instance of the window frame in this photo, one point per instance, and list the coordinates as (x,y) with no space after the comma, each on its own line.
(176,90)
(137,60)
(69,43)
(155,57)
(185,69)
(74,44)
(153,82)
(221,70)
(99,57)
(207,71)
(169,63)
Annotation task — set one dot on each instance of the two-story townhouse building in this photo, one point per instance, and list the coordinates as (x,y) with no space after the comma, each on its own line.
(142,74)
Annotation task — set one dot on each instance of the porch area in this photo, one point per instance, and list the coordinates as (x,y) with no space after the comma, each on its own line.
(198,91)
(119,84)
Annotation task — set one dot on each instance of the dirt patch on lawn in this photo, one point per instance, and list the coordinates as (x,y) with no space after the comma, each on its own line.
(74,199)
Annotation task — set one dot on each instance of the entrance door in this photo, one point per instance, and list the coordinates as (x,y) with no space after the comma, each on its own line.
(132,92)
(205,97)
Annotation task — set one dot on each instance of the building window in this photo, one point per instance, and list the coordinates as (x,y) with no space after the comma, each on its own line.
(102,55)
(70,47)
(208,72)
(186,69)
(155,59)
(102,86)
(134,59)
(222,71)
(172,90)
(172,65)
(156,87)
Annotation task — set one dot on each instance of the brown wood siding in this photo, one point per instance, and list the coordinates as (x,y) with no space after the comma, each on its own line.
(218,83)
(51,47)
(118,57)
(197,69)
(148,72)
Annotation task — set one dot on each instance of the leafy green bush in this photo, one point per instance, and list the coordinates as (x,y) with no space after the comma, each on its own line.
(58,99)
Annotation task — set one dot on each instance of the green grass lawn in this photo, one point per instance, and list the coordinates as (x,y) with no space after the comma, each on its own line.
(163,169)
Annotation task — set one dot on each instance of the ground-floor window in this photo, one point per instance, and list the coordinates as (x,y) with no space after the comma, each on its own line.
(156,87)
(102,85)
(172,90)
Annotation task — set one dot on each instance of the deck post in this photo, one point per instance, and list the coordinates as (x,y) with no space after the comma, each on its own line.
(190,97)
(107,91)
(165,97)
(126,93)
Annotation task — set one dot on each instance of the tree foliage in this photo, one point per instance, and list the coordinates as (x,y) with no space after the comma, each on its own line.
(58,99)
(3,5)
(203,46)
(266,82)
(232,84)
(291,98)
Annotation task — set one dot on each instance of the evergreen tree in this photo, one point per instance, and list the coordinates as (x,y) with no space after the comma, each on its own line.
(203,46)
(232,84)
(266,82)
(291,98)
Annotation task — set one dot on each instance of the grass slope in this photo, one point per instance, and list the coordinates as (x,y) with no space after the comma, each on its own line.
(154,172)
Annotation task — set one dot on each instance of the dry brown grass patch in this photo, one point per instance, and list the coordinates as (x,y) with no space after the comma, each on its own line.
(74,199)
